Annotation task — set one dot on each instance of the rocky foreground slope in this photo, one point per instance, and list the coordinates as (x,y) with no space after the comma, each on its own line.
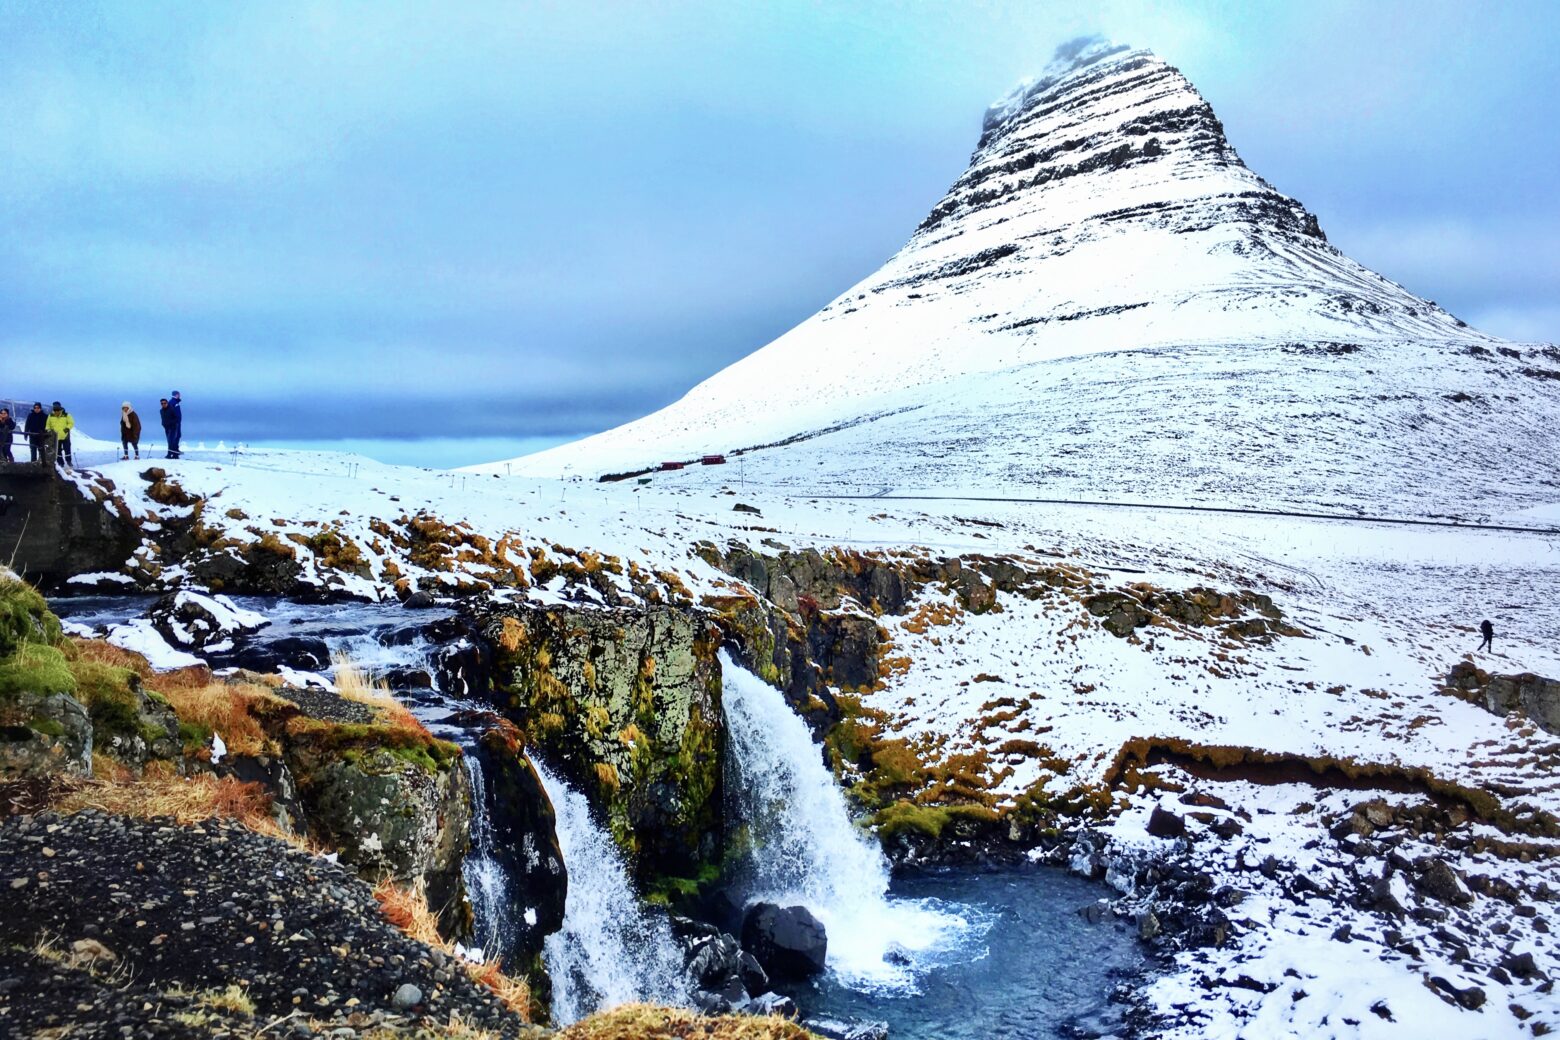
(1109,304)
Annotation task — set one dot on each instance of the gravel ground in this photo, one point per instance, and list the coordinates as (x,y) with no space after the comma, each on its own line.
(116,927)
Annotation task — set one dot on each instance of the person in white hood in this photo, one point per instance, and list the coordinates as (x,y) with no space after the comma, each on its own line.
(129,431)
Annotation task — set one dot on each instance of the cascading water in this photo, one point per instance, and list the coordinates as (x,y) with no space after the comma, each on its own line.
(609,951)
(805,850)
(488,882)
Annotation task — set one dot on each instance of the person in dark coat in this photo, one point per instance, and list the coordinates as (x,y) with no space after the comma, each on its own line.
(165,415)
(129,431)
(7,428)
(36,426)
(173,422)
(1488,631)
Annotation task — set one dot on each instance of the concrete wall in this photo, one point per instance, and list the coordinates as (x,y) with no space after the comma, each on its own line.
(50,531)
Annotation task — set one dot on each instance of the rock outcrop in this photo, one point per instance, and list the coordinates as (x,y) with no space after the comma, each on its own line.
(626,704)
(1535,696)
(524,838)
(788,942)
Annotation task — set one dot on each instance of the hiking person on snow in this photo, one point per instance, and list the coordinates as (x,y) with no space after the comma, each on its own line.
(173,423)
(36,427)
(1488,631)
(166,414)
(7,428)
(60,424)
(129,431)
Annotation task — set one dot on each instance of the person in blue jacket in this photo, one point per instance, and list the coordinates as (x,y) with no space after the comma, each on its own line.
(173,423)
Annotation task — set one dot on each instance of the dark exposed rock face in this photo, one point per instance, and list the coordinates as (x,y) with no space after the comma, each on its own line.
(53,530)
(1536,696)
(524,837)
(724,976)
(788,942)
(627,704)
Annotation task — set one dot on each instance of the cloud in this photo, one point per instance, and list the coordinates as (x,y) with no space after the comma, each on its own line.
(546,218)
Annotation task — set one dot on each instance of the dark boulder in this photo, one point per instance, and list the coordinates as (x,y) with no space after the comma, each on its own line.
(788,942)
(420,601)
(522,836)
(304,653)
(1163,823)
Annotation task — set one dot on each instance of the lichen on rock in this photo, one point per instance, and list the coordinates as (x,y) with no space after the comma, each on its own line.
(626,703)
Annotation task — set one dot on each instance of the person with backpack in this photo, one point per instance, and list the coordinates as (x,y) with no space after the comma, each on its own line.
(1487,630)
(129,431)
(7,428)
(35,428)
(60,423)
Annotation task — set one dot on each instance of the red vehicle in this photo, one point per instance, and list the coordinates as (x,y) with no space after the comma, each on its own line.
(672,465)
(713,460)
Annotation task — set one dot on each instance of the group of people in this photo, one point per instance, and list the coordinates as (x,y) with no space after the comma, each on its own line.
(38,424)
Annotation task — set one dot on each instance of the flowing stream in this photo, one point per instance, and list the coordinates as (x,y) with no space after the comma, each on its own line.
(610,951)
(804,849)
(914,952)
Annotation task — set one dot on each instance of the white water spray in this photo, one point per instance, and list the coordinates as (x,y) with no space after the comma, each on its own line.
(806,850)
(609,951)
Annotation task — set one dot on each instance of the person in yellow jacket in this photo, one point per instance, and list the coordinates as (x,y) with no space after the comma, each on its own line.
(60,424)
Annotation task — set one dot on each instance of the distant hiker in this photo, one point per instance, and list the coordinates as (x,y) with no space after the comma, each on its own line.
(173,423)
(7,428)
(1488,631)
(37,425)
(60,424)
(129,431)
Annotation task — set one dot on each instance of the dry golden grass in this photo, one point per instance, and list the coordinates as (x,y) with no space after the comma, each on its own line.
(407,908)
(228,708)
(649,1022)
(354,684)
(160,792)
(232,997)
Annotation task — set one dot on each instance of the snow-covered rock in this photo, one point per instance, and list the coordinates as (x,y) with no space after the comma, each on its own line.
(196,620)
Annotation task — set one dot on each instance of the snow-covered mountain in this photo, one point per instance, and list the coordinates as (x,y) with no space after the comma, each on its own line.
(1109,304)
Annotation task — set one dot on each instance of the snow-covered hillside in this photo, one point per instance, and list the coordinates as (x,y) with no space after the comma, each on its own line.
(1109,304)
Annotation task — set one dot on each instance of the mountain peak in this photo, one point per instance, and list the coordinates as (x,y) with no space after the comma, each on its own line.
(1105,299)
(1075,54)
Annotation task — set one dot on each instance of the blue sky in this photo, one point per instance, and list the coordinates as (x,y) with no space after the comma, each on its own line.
(505,225)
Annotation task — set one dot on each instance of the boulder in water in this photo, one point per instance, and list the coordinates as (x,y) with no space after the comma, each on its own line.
(194,620)
(788,942)
(304,653)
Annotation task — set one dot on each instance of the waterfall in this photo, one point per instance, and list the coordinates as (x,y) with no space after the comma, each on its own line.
(609,951)
(804,848)
(488,882)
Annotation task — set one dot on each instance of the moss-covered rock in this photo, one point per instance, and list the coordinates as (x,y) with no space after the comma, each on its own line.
(130,723)
(24,616)
(44,734)
(391,809)
(626,704)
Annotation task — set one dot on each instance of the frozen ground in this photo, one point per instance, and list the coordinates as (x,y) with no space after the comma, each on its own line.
(1387,609)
